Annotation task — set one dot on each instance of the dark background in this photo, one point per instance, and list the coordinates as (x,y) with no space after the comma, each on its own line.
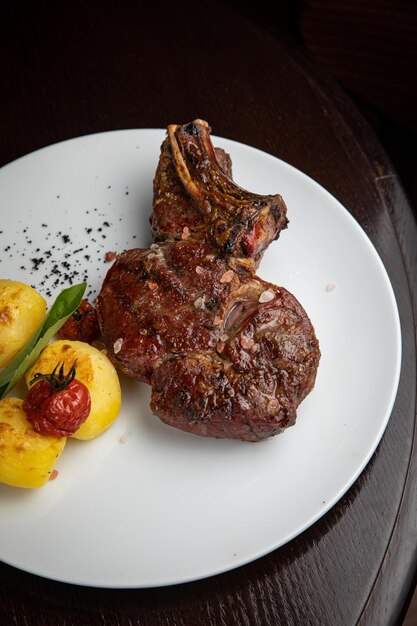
(370,48)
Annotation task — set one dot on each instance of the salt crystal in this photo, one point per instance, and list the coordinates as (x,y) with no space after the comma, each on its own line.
(117,346)
(224,337)
(199,270)
(267,296)
(185,232)
(330,287)
(124,438)
(246,342)
(199,303)
(227,276)
(217,321)
(272,406)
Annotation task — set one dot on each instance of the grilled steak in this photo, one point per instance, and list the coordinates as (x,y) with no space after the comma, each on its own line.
(227,354)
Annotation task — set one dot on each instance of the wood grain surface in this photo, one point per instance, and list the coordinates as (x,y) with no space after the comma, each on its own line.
(73,68)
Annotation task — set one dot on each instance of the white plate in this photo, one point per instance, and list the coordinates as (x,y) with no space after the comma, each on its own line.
(165,506)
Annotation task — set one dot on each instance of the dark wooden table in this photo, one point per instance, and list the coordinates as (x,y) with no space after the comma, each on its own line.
(73,68)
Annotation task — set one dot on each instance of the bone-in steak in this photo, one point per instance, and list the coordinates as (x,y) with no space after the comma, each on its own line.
(227,354)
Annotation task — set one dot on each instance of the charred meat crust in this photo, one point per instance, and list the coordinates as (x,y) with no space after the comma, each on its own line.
(193,188)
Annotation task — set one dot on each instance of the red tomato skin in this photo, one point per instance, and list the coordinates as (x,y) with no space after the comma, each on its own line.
(57,413)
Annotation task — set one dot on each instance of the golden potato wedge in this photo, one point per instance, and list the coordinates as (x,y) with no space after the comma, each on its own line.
(22,311)
(26,457)
(98,374)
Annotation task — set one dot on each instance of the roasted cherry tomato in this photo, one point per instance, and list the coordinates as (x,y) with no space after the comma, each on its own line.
(82,325)
(57,404)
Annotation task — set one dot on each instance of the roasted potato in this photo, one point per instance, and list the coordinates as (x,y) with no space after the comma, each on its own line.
(26,457)
(95,370)
(22,310)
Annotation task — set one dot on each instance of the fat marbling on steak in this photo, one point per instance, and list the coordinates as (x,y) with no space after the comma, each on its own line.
(227,354)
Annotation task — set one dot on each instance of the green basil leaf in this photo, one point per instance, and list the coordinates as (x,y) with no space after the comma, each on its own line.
(66,303)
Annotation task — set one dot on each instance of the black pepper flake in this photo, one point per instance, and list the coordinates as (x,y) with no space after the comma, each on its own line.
(36,262)
(56,273)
